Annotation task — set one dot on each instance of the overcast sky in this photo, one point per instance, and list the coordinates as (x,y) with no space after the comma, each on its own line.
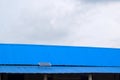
(61,22)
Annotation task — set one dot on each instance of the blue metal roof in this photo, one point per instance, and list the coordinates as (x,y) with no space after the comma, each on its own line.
(58,55)
(58,70)
(107,58)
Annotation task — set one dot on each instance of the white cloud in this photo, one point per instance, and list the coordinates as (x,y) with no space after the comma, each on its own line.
(61,22)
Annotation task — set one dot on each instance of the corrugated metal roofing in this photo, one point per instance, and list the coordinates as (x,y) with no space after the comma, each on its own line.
(58,55)
(51,70)
(107,58)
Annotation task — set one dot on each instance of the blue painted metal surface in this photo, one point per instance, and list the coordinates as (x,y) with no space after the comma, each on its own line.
(58,55)
(51,70)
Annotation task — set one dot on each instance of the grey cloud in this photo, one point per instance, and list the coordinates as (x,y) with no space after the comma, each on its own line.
(99,1)
(29,20)
(61,22)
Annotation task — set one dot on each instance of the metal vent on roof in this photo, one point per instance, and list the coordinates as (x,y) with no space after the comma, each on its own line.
(47,64)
